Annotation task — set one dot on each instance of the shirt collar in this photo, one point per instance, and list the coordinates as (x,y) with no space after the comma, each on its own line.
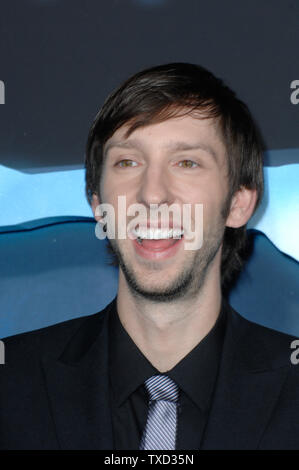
(195,374)
(128,367)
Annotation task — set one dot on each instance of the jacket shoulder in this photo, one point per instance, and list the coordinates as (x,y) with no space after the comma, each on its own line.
(49,340)
(247,325)
(262,342)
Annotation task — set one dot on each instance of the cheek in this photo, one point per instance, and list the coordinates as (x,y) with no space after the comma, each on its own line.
(212,194)
(212,208)
(109,189)
(112,187)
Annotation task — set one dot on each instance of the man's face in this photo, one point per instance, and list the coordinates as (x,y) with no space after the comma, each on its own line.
(181,160)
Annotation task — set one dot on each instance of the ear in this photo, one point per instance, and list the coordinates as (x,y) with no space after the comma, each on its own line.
(94,204)
(242,207)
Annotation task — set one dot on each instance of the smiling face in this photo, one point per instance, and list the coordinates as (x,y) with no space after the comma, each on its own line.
(183,161)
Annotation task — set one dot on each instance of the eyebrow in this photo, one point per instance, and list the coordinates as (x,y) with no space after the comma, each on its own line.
(173,146)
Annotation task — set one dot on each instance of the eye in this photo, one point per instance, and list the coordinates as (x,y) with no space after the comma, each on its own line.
(188,164)
(126,163)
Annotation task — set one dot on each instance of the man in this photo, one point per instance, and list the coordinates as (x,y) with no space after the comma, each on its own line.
(168,364)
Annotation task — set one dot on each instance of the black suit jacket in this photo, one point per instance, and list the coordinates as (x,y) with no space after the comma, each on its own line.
(54,390)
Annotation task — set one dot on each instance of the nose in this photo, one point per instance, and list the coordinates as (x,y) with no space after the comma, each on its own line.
(154,187)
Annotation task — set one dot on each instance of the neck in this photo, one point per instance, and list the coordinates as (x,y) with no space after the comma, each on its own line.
(165,332)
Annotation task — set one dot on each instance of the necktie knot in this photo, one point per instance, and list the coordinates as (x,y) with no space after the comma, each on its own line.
(162,387)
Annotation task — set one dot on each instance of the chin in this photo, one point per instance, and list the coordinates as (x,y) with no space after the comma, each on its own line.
(160,288)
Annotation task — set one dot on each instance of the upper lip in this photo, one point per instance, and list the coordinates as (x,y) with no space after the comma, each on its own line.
(169,226)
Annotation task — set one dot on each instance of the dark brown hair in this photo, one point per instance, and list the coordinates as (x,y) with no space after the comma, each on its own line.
(158,93)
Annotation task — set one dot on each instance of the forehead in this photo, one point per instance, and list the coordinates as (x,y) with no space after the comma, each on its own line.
(176,133)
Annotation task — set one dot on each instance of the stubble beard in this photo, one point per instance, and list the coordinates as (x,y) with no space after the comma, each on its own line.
(188,281)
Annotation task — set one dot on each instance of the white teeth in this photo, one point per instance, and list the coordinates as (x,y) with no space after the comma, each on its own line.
(157,234)
(177,233)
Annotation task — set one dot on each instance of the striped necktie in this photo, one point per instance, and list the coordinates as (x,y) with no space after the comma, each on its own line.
(161,425)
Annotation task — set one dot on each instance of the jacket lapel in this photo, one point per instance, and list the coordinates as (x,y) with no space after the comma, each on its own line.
(78,388)
(247,388)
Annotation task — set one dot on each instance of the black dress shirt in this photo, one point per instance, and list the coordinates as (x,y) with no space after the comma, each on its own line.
(195,375)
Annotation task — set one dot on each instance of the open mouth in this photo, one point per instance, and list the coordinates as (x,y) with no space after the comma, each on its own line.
(157,241)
